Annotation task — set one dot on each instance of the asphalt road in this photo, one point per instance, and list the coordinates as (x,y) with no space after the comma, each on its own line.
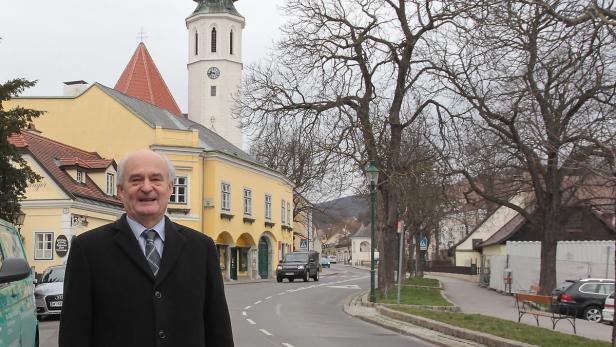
(295,314)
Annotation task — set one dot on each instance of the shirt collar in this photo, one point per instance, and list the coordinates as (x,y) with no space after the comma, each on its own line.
(137,228)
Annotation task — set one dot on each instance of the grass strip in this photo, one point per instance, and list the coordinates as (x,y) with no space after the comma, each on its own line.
(508,329)
(426,282)
(414,296)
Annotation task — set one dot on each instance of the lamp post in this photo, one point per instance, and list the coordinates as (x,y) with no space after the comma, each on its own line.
(372,172)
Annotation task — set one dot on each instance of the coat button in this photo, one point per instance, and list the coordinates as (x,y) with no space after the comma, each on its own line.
(162,334)
(158,294)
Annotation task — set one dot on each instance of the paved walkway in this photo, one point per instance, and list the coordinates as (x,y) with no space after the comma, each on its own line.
(474,299)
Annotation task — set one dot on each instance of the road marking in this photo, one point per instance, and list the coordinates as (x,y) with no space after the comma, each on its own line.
(348,286)
(265,332)
(247,308)
(251,321)
(269,297)
(258,302)
(243,313)
(283,293)
(287,344)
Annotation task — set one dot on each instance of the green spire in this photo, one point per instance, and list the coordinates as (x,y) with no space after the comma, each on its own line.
(216,6)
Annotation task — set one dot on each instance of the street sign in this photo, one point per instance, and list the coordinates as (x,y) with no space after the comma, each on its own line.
(423,244)
(303,244)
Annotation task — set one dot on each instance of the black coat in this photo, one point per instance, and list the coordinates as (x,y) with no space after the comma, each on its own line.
(112,299)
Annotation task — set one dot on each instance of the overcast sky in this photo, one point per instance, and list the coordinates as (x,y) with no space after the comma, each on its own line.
(67,40)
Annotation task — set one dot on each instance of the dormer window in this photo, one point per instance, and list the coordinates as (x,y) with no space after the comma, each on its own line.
(213,40)
(110,184)
(81,177)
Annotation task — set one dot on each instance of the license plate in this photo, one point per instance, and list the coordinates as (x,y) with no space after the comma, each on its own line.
(55,304)
(289,273)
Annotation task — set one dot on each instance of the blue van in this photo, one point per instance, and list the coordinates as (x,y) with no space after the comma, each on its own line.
(18,323)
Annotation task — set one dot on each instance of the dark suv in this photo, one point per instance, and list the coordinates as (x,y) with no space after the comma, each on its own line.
(298,265)
(585,297)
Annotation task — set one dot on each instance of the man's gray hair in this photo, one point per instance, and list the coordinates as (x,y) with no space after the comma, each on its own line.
(170,167)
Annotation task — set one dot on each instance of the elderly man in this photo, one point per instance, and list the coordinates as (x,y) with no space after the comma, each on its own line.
(144,280)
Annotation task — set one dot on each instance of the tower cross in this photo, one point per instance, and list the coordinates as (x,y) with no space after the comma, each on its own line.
(142,35)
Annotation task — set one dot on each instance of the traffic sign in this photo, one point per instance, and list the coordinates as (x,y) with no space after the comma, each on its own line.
(303,244)
(423,244)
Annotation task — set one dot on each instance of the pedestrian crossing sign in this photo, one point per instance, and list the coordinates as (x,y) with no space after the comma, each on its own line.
(303,244)
(423,244)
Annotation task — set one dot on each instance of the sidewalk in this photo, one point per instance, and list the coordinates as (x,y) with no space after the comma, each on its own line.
(474,299)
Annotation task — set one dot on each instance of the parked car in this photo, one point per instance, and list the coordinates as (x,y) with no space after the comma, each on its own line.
(298,265)
(584,298)
(325,262)
(333,259)
(608,309)
(49,292)
(18,324)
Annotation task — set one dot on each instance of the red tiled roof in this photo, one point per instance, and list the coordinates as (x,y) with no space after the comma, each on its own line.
(52,154)
(142,80)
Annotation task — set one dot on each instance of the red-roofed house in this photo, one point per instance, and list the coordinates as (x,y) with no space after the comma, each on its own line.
(77,192)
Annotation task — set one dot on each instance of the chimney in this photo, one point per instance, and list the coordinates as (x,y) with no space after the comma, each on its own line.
(74,88)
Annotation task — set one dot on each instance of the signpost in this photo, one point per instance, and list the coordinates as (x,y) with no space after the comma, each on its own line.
(61,246)
(423,244)
(303,245)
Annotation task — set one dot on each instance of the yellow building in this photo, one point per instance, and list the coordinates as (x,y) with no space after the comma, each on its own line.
(76,193)
(219,190)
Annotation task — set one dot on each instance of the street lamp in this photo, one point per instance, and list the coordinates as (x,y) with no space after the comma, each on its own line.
(372,172)
(18,221)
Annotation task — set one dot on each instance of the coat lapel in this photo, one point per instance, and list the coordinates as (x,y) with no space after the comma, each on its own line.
(174,241)
(125,238)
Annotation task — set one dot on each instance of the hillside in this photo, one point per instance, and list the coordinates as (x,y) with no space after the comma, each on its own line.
(337,211)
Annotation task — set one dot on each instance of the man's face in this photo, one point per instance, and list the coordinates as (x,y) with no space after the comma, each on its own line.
(146,188)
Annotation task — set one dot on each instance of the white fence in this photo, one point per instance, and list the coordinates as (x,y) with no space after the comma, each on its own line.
(574,260)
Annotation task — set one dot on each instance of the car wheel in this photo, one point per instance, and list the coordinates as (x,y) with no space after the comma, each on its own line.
(306,273)
(291,279)
(316,276)
(279,279)
(592,313)
(36,339)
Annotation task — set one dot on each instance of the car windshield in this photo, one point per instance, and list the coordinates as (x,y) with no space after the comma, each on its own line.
(295,257)
(53,275)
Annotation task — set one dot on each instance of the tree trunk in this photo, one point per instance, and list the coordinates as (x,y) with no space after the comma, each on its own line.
(387,226)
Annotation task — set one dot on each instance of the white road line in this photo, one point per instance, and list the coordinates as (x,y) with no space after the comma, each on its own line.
(257,302)
(269,297)
(243,313)
(247,307)
(251,321)
(287,344)
(265,332)
(283,293)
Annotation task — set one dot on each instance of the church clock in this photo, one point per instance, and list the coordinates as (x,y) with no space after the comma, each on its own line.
(213,72)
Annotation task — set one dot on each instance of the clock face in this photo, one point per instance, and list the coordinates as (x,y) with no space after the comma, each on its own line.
(213,73)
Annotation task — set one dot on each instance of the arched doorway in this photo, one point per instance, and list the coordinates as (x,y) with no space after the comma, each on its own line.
(264,251)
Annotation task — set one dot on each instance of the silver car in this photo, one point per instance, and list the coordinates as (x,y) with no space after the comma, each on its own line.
(48,293)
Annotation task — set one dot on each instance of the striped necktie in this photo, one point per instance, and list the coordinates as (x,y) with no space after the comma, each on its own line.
(151,253)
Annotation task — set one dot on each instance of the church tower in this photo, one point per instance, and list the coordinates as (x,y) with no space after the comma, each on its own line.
(215,66)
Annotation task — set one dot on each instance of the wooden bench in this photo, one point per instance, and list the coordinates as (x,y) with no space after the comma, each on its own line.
(541,305)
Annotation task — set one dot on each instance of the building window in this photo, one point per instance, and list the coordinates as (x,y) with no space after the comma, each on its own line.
(225,191)
(231,42)
(43,246)
(213,91)
(110,184)
(196,43)
(283,210)
(289,216)
(180,190)
(80,177)
(268,207)
(247,202)
(213,40)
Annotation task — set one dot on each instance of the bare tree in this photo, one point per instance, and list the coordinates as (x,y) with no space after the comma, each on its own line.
(356,71)
(541,97)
